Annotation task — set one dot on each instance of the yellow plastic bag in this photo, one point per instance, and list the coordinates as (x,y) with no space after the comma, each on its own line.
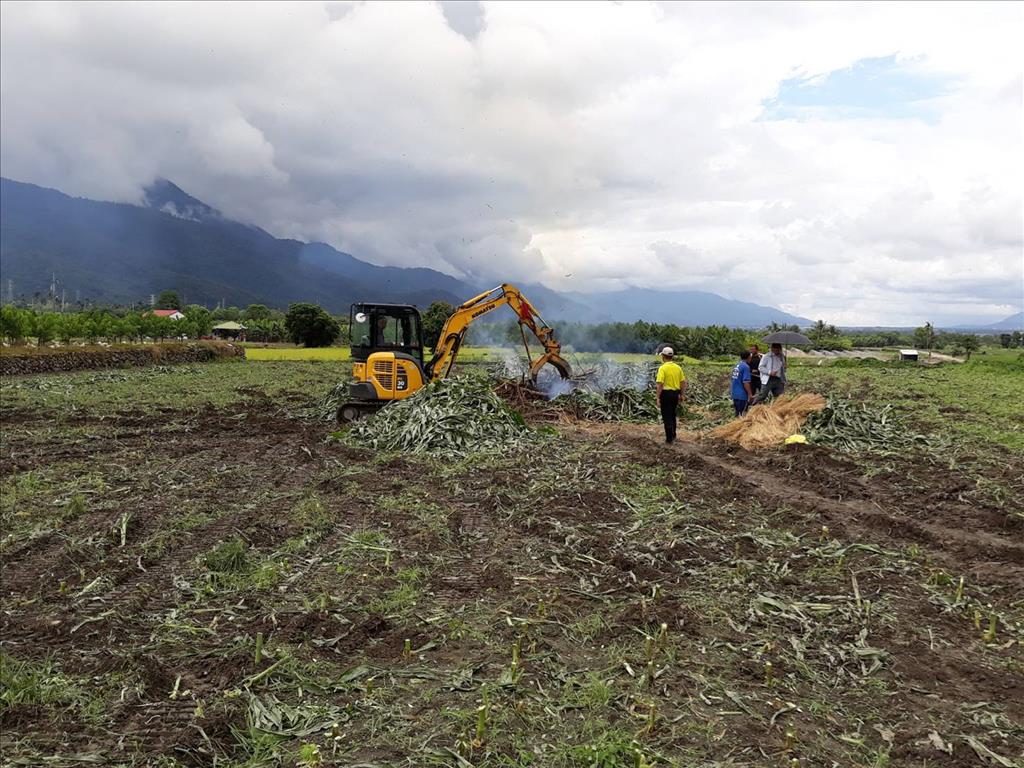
(795,439)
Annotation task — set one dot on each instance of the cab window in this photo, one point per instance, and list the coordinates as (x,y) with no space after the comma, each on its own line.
(400,331)
(388,332)
(360,328)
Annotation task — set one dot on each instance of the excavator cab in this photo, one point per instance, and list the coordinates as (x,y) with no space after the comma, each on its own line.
(385,328)
(387,356)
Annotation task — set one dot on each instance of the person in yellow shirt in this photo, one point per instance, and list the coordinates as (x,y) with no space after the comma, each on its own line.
(671,386)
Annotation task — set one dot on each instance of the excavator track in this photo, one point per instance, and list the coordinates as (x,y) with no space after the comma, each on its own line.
(351,412)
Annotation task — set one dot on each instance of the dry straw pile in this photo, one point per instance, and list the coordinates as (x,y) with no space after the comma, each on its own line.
(766,425)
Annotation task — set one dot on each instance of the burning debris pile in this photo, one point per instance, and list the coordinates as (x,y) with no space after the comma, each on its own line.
(616,404)
(609,375)
(607,391)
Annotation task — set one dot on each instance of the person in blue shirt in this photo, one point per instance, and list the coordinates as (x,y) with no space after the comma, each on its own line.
(741,393)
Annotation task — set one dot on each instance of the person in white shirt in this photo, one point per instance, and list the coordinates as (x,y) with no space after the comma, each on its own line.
(773,375)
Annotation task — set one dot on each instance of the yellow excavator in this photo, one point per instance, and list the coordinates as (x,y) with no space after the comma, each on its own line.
(387,347)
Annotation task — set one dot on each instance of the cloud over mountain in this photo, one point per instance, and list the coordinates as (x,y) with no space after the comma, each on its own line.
(859,163)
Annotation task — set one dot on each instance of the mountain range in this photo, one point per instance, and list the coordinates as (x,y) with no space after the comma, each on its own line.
(1011,323)
(121,253)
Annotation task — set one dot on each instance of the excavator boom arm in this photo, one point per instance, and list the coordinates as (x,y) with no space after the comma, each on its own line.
(455,328)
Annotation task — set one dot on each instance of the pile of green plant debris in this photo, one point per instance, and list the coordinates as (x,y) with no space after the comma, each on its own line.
(616,404)
(326,408)
(851,427)
(450,418)
(708,392)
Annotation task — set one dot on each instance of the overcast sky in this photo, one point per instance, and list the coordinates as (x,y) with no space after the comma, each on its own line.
(859,163)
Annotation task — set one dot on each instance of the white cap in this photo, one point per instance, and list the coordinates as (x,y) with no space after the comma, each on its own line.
(667,351)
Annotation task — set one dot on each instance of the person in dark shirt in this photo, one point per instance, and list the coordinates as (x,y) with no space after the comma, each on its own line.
(754,362)
(741,378)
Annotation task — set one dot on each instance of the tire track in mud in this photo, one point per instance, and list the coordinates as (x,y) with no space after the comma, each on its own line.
(858,519)
(926,668)
(870,515)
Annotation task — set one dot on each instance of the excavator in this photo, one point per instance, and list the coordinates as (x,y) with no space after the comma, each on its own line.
(387,347)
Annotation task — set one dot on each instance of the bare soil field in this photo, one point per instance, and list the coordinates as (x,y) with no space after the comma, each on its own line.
(193,575)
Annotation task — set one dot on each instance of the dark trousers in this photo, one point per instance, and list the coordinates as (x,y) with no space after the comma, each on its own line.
(775,387)
(669,404)
(740,406)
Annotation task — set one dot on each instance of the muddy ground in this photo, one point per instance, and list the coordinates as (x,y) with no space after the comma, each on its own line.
(603,600)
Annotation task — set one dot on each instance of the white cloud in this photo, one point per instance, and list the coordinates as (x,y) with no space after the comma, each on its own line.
(616,143)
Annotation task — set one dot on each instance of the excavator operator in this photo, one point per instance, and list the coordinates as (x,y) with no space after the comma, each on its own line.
(382,328)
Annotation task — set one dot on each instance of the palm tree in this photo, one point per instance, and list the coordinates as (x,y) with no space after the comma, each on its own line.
(818,331)
(925,336)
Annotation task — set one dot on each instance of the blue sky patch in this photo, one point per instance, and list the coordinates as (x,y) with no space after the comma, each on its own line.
(878,88)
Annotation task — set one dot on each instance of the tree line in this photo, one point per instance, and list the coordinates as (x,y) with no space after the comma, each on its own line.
(305,324)
(19,325)
(310,325)
(643,337)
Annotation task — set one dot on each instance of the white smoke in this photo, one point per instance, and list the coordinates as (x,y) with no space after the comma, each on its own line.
(515,366)
(597,378)
(553,385)
(589,375)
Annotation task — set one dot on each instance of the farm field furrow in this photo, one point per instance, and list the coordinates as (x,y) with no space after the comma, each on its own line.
(193,575)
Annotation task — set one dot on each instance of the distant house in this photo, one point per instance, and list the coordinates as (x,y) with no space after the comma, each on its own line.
(174,314)
(909,355)
(229,330)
